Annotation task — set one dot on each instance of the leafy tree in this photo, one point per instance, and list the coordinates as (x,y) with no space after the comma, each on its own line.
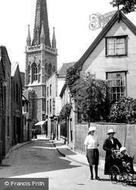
(64,115)
(71,77)
(124,111)
(91,98)
(127,6)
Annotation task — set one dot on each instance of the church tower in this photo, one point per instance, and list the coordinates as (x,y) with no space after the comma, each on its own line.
(41,60)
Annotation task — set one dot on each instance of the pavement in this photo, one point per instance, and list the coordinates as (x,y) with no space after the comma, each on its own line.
(65,151)
(15,147)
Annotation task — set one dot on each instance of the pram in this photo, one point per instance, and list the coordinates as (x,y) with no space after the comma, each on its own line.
(121,170)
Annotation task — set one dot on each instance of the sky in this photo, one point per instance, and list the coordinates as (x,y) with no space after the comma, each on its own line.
(69,17)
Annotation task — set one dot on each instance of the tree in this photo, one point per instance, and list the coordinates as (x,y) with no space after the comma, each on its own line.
(127,6)
(71,77)
(91,98)
(64,115)
(124,111)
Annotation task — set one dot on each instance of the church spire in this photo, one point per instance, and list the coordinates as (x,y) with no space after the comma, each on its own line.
(41,18)
(28,41)
(42,36)
(54,39)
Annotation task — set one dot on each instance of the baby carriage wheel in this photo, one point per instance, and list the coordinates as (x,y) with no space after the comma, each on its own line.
(125,178)
(115,174)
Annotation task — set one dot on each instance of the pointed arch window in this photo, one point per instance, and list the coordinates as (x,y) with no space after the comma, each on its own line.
(34,72)
(50,69)
(46,69)
(39,70)
(29,74)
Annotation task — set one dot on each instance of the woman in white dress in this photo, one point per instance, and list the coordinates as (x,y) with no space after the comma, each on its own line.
(92,153)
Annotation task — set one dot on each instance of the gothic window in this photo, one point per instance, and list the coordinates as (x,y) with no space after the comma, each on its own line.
(34,72)
(39,69)
(46,69)
(28,69)
(50,69)
(50,89)
(50,107)
(117,85)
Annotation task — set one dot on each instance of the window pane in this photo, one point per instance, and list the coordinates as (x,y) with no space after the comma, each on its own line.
(116,46)
(117,84)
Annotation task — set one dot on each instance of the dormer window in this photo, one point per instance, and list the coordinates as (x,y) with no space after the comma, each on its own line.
(116,46)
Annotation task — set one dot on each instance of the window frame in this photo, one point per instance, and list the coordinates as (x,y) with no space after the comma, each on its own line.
(117,72)
(34,72)
(125,37)
(50,89)
(50,106)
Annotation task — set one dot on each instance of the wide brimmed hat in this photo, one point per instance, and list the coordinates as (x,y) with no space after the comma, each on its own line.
(111,131)
(91,129)
(122,148)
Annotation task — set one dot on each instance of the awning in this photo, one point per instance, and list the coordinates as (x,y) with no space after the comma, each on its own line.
(40,123)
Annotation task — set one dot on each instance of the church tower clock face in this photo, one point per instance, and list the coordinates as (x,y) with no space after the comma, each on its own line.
(41,59)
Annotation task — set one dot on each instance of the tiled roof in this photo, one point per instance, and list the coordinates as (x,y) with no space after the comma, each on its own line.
(116,17)
(63,70)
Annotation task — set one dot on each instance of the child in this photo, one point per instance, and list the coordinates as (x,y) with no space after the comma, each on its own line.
(127,160)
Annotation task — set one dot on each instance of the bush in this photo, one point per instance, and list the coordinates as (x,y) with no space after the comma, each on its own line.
(123,111)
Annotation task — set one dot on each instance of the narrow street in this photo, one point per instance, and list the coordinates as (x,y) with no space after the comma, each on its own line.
(41,159)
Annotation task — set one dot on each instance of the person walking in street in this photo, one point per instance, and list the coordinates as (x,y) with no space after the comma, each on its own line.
(92,153)
(110,144)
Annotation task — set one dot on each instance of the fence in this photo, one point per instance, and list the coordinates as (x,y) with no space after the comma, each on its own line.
(126,133)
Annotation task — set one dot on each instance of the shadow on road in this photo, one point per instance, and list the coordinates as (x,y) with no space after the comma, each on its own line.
(37,157)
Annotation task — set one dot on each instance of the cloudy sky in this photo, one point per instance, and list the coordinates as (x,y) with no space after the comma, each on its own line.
(69,17)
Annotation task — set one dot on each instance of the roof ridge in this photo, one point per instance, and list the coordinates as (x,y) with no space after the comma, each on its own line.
(117,16)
